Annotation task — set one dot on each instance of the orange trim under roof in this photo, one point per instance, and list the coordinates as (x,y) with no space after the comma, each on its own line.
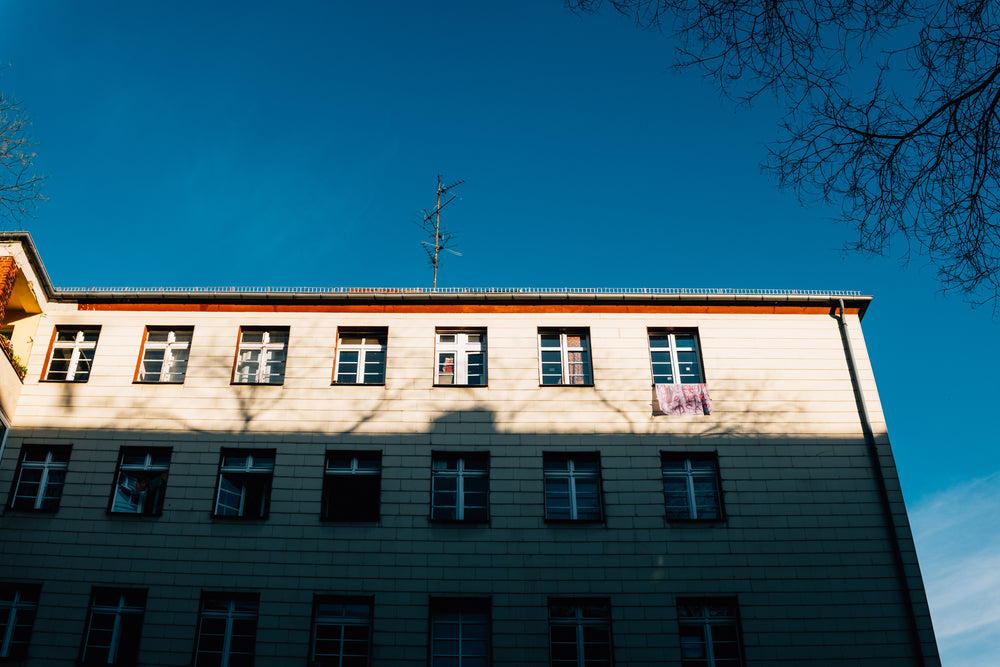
(460,308)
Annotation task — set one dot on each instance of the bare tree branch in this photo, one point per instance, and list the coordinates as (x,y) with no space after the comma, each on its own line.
(914,159)
(20,184)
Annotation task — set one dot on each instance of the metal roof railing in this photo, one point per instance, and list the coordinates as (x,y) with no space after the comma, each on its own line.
(720,291)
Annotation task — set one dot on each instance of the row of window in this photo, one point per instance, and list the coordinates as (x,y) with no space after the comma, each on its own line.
(459,636)
(564,356)
(352,484)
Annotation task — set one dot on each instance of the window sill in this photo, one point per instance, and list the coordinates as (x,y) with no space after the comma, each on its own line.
(460,522)
(462,386)
(171,382)
(690,522)
(567,385)
(575,522)
(31,511)
(65,381)
(357,384)
(256,384)
(350,522)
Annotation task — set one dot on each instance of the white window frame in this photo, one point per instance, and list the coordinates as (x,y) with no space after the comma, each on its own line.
(672,349)
(462,615)
(250,467)
(689,475)
(705,620)
(264,348)
(354,469)
(13,610)
(460,347)
(79,347)
(147,468)
(230,614)
(460,475)
(578,622)
(372,341)
(118,610)
(571,474)
(47,466)
(344,621)
(175,355)
(565,349)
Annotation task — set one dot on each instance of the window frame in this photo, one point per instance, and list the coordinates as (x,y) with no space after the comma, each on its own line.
(689,475)
(170,347)
(149,469)
(120,610)
(673,351)
(231,599)
(578,622)
(47,466)
(15,609)
(706,621)
(246,472)
(4,430)
(571,475)
(344,622)
(263,348)
(356,472)
(461,349)
(363,349)
(564,349)
(77,345)
(460,475)
(462,606)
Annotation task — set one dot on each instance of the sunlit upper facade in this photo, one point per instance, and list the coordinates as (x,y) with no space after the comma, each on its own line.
(462,477)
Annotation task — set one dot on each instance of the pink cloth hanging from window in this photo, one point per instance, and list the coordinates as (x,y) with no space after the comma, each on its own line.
(684,399)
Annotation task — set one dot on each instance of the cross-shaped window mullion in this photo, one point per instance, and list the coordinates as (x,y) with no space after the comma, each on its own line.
(11,622)
(571,474)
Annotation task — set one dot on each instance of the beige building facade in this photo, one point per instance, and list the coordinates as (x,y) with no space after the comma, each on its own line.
(468,477)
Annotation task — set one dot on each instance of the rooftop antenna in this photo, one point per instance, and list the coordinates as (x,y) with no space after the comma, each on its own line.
(432,225)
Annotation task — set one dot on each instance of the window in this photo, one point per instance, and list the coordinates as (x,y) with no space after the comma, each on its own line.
(460,487)
(227,630)
(361,357)
(461,357)
(260,358)
(41,473)
(572,487)
(141,482)
(4,427)
(710,635)
(342,630)
(669,351)
(18,603)
(245,483)
(580,633)
(164,354)
(691,487)
(114,627)
(460,632)
(565,356)
(352,486)
(72,354)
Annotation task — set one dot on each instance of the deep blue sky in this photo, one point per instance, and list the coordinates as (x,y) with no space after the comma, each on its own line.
(294,144)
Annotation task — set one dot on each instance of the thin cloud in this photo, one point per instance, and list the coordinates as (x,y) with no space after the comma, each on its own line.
(959,547)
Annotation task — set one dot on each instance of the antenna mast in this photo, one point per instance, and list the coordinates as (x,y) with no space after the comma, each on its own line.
(432,225)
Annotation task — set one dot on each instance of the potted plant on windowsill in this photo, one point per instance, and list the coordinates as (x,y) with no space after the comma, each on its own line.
(15,360)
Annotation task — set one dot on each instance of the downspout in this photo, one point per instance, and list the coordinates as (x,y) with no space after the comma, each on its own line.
(876,463)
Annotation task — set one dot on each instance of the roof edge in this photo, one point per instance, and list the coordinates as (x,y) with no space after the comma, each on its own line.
(362,295)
